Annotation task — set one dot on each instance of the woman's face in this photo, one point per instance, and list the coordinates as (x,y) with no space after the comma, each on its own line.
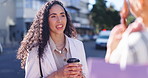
(57,19)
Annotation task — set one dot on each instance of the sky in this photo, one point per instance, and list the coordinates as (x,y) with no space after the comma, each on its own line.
(117,3)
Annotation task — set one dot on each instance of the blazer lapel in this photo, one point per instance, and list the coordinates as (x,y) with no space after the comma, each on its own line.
(73,48)
(51,58)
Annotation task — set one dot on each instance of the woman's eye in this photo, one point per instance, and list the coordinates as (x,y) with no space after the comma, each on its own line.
(52,16)
(63,15)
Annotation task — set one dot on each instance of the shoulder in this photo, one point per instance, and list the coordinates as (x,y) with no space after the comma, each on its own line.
(138,40)
(135,38)
(33,50)
(74,40)
(33,53)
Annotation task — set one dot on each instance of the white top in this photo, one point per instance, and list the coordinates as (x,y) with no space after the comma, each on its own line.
(48,63)
(132,49)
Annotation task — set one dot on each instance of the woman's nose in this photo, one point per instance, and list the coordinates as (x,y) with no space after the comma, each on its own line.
(59,19)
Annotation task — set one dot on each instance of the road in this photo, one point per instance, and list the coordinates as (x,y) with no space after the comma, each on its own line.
(92,52)
(10,66)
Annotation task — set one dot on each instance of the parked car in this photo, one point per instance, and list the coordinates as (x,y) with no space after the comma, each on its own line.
(95,37)
(85,37)
(101,41)
(1,48)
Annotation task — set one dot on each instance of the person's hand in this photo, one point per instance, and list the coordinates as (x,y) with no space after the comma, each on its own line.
(116,35)
(114,39)
(71,70)
(137,25)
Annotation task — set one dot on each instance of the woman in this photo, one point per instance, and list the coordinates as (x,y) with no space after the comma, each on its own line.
(49,42)
(133,48)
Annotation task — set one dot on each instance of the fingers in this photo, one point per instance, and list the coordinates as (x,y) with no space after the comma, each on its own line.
(136,26)
(73,67)
(76,72)
(79,75)
(123,21)
(117,31)
(73,70)
(75,76)
(118,28)
(139,27)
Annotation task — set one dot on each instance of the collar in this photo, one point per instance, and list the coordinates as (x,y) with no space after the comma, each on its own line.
(53,46)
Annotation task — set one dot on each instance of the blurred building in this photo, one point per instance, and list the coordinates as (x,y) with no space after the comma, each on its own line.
(7,20)
(16,16)
(78,9)
(79,12)
(25,13)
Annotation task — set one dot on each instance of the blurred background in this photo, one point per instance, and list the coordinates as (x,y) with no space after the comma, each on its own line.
(90,17)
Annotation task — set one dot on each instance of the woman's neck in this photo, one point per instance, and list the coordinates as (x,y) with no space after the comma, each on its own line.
(59,40)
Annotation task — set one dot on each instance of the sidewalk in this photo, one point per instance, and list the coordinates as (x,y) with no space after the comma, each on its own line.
(10,47)
(10,66)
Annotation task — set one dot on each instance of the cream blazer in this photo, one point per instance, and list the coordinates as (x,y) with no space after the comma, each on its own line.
(48,62)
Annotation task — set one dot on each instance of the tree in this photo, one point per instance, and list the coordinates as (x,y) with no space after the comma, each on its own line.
(104,17)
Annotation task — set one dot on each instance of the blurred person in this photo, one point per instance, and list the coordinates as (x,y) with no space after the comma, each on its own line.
(133,46)
(50,41)
(118,30)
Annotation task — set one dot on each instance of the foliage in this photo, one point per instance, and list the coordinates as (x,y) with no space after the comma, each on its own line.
(104,17)
(130,19)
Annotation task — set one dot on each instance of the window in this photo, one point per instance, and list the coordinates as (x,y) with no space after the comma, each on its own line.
(28,3)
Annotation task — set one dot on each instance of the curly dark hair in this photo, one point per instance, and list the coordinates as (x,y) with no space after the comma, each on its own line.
(38,34)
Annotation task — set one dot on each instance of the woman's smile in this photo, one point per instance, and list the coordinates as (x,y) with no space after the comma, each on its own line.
(59,26)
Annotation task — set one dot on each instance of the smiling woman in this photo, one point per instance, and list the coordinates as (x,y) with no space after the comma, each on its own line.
(57,20)
(50,41)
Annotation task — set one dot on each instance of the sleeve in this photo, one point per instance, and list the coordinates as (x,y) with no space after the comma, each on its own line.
(32,65)
(137,49)
(84,62)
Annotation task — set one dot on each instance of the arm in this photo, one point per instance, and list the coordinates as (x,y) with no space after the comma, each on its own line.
(82,58)
(32,65)
(84,62)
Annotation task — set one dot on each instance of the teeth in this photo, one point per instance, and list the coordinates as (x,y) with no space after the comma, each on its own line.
(59,26)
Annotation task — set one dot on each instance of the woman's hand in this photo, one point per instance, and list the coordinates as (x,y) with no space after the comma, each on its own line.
(71,70)
(137,25)
(114,39)
(116,35)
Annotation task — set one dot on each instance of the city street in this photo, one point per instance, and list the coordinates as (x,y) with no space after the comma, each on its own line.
(92,52)
(10,66)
